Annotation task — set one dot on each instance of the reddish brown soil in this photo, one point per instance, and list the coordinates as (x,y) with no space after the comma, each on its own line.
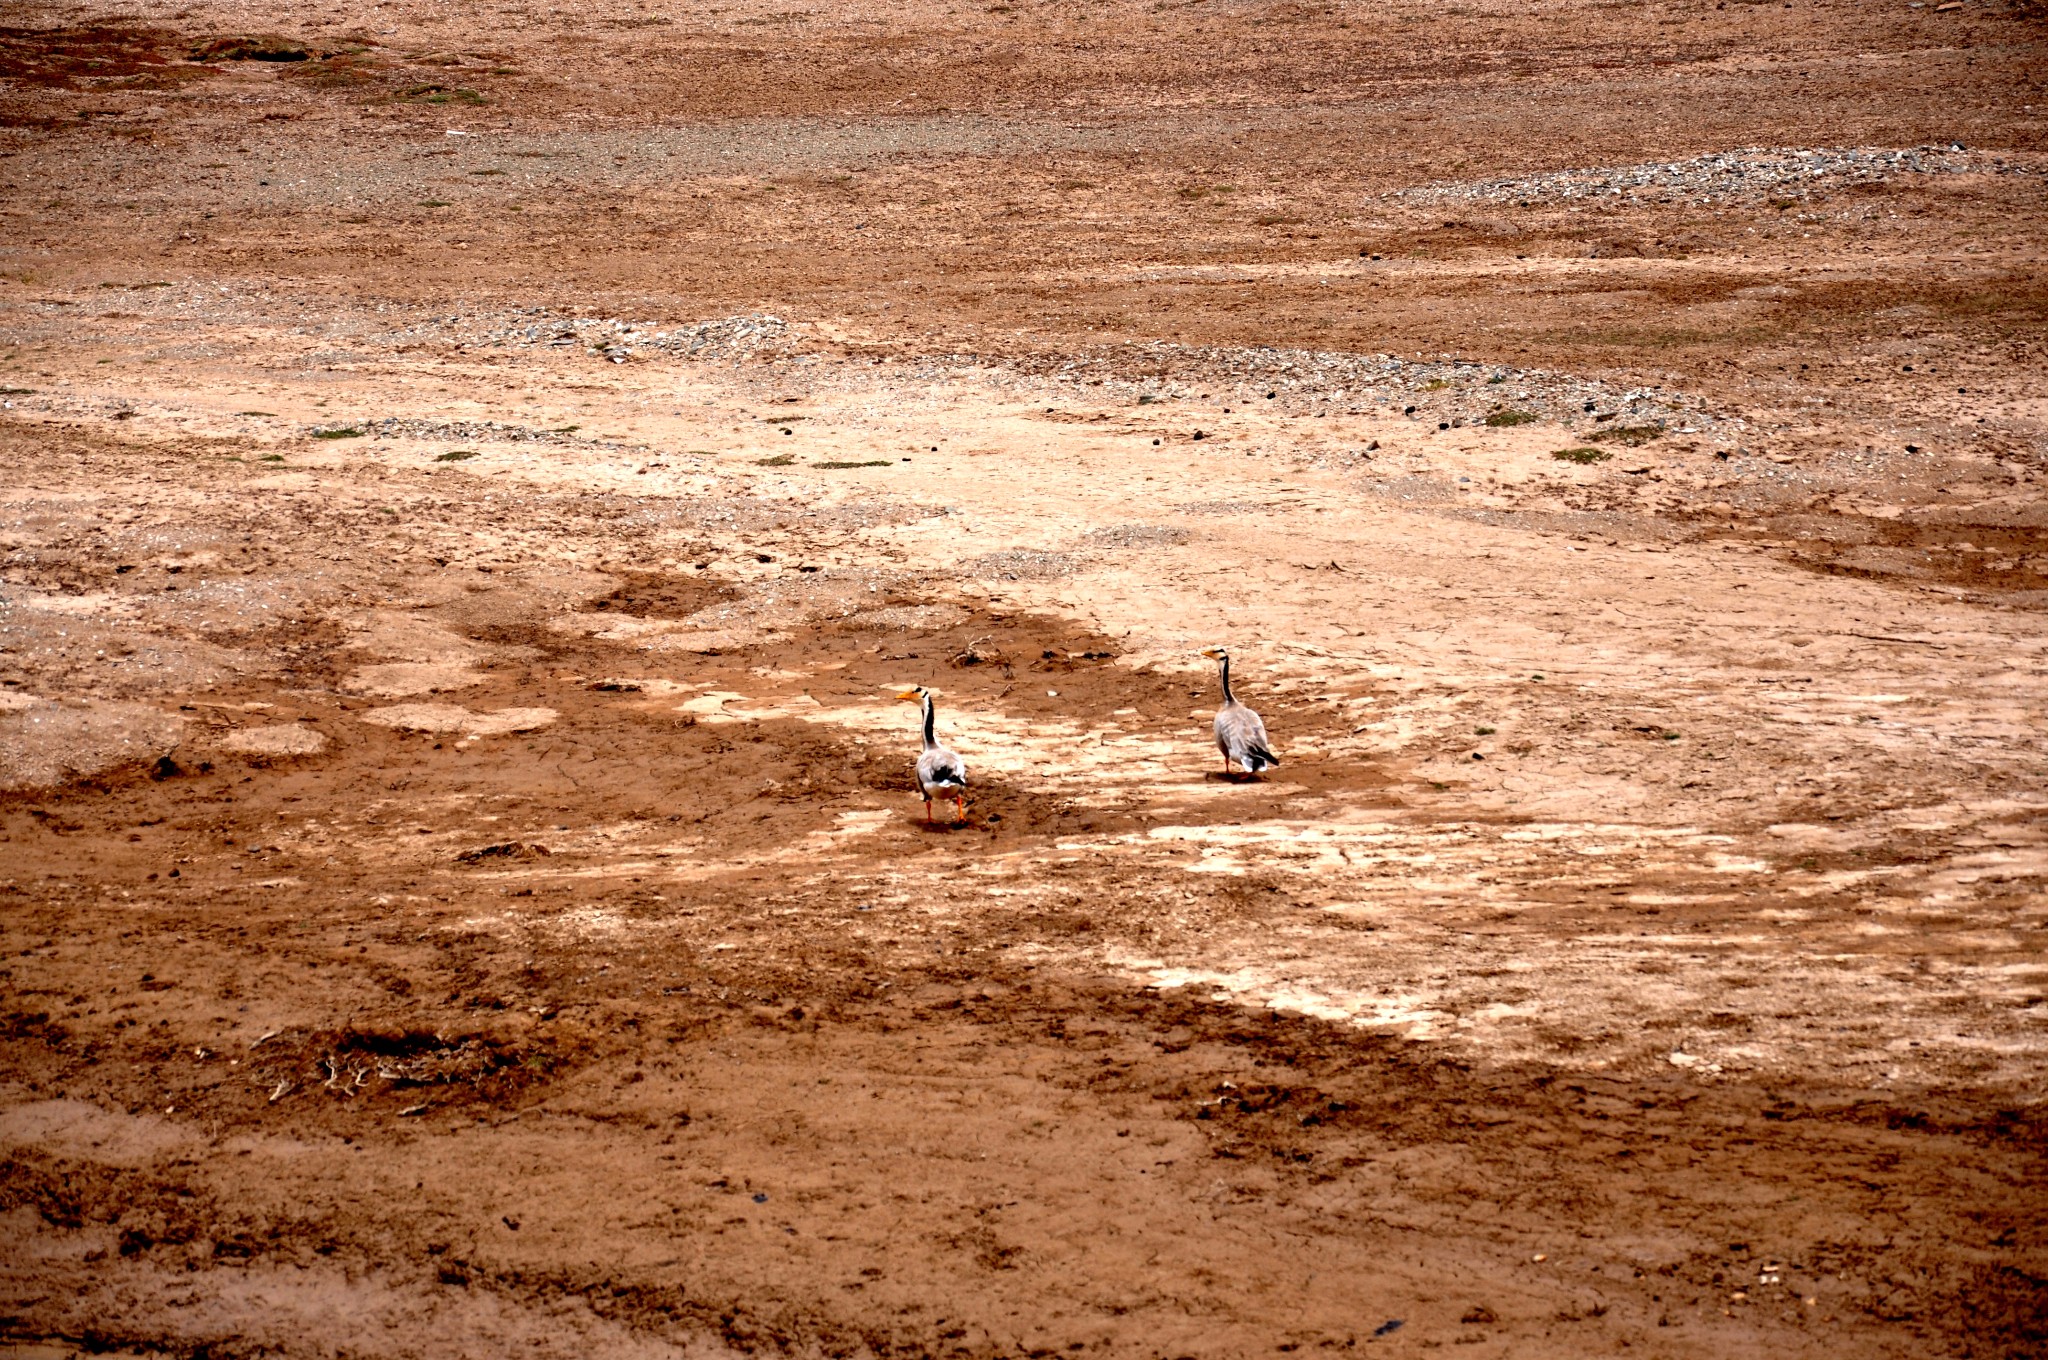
(461,888)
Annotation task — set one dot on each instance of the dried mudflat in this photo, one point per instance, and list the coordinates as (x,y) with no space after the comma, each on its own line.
(471,483)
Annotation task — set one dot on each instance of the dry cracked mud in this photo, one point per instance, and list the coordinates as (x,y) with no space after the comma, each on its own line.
(473,480)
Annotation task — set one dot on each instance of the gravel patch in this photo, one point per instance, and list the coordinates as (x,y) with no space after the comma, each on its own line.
(470,432)
(1447,391)
(1745,175)
(1222,508)
(1413,489)
(729,338)
(1135,536)
(1021,564)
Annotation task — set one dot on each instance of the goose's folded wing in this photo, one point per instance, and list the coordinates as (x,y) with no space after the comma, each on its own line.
(1244,734)
(1262,745)
(1238,726)
(941,766)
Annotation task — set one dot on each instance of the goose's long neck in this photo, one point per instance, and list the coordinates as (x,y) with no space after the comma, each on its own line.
(1228,697)
(929,740)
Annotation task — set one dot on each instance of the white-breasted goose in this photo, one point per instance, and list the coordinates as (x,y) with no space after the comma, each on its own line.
(1240,733)
(940,772)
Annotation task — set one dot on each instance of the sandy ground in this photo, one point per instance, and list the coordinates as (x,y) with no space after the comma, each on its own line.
(473,480)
